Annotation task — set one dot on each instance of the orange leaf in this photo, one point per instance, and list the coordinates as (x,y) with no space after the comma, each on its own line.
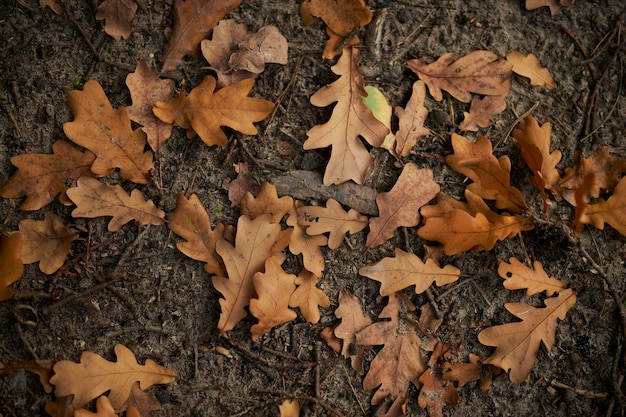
(117,15)
(193,21)
(46,241)
(191,222)
(411,120)
(473,227)
(308,246)
(554,5)
(406,269)
(307,297)
(266,202)
(482,111)
(491,176)
(95,199)
(611,211)
(104,407)
(517,343)
(94,375)
(464,373)
(400,206)
(205,110)
(332,218)
(351,118)
(146,89)
(253,245)
(271,305)
(11,266)
(480,72)
(289,408)
(529,67)
(108,134)
(353,320)
(435,393)
(400,361)
(41,177)
(518,276)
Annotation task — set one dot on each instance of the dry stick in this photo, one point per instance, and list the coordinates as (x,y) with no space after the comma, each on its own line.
(583,50)
(358,400)
(578,391)
(284,93)
(403,51)
(593,101)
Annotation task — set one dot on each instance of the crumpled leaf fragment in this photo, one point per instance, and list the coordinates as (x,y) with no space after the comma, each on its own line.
(47,242)
(117,16)
(94,375)
(241,185)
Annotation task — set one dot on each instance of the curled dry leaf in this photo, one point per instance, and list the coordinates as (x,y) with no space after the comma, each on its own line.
(529,67)
(491,175)
(611,211)
(351,118)
(193,21)
(41,177)
(400,206)
(518,276)
(94,375)
(353,320)
(307,297)
(146,89)
(117,16)
(480,72)
(95,199)
(517,343)
(406,269)
(205,110)
(266,202)
(271,305)
(104,407)
(411,120)
(47,241)
(108,134)
(191,222)
(11,266)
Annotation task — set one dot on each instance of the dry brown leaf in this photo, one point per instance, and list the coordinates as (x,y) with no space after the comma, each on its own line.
(529,67)
(271,306)
(41,177)
(351,118)
(473,226)
(480,72)
(333,219)
(205,110)
(517,343)
(141,401)
(193,21)
(307,297)
(117,16)
(308,246)
(191,222)
(611,211)
(491,176)
(253,245)
(234,54)
(266,202)
(518,276)
(400,206)
(243,184)
(95,199)
(47,241)
(353,320)
(42,368)
(11,266)
(482,111)
(534,143)
(108,134)
(411,120)
(52,4)
(94,375)
(554,5)
(464,372)
(289,408)
(400,361)
(104,407)
(60,407)
(406,269)
(436,392)
(146,89)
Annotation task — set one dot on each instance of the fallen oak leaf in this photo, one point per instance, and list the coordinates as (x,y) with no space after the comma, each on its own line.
(41,177)
(307,246)
(480,72)
(108,134)
(518,276)
(47,241)
(117,16)
(243,184)
(146,89)
(411,120)
(482,111)
(436,391)
(60,407)
(289,408)
(94,375)
(95,199)
(205,110)
(405,270)
(11,266)
(41,367)
(266,202)
(400,206)
(54,5)
(529,67)
(307,297)
(611,211)
(464,372)
(193,21)
(517,343)
(141,401)
(104,407)
(353,320)
(554,5)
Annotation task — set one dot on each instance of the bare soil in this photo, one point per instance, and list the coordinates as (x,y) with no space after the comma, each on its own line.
(163,305)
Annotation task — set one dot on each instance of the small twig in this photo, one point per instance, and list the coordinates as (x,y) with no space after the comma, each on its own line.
(283,94)
(358,400)
(76,295)
(578,391)
(140,327)
(404,50)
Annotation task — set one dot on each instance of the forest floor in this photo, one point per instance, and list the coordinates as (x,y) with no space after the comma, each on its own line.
(163,305)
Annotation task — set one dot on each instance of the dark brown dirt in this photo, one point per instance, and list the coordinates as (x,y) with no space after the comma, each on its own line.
(164,307)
